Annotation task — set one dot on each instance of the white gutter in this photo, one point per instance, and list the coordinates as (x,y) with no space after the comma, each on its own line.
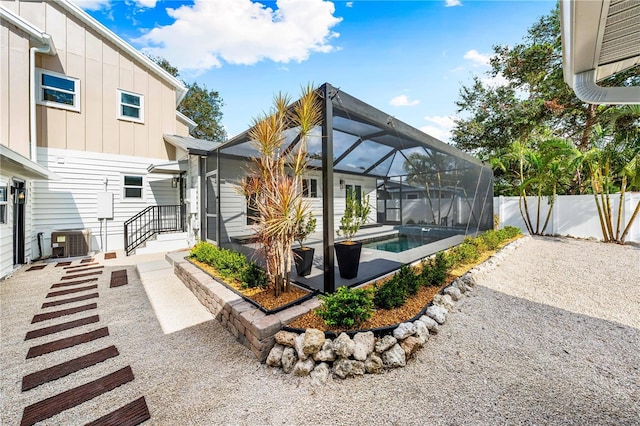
(586,89)
(47,47)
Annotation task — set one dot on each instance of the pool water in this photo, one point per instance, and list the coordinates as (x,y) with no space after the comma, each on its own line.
(394,245)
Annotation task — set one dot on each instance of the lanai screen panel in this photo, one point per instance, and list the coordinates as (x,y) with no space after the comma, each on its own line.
(431,194)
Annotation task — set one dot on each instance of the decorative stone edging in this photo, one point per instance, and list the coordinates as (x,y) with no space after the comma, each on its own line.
(263,335)
(311,354)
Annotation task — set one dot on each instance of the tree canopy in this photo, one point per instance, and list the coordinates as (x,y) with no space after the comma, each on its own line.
(535,99)
(200,104)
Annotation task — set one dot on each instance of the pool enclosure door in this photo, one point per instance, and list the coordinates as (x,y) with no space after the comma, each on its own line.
(212,206)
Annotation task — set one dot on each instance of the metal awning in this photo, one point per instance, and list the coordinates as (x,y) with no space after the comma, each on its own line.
(13,163)
(600,39)
(192,146)
(169,167)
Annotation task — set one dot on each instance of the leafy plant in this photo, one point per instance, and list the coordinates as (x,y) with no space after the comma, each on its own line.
(409,280)
(391,294)
(253,276)
(229,264)
(346,307)
(434,269)
(355,215)
(305,227)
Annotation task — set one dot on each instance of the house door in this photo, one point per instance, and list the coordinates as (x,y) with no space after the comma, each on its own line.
(19,202)
(182,182)
(212,206)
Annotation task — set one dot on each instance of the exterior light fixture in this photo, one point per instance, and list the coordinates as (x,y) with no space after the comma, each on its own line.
(174,182)
(341,183)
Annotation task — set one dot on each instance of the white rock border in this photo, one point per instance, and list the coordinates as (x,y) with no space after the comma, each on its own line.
(312,354)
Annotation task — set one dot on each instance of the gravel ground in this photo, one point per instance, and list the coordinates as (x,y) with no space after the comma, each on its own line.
(550,336)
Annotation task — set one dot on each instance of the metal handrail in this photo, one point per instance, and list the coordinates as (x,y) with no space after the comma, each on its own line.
(151,221)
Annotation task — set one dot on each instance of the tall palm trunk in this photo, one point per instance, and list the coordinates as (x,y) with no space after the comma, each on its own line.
(628,227)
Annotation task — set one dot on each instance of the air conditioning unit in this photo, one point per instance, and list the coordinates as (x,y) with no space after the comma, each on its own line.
(70,242)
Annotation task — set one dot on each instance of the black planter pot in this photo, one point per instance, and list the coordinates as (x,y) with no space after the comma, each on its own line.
(348,256)
(304,260)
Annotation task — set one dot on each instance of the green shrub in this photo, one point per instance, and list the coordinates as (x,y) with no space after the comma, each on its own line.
(391,294)
(253,276)
(478,242)
(434,270)
(346,307)
(511,231)
(491,239)
(464,253)
(408,280)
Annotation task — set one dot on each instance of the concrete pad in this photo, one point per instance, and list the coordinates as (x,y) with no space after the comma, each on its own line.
(174,305)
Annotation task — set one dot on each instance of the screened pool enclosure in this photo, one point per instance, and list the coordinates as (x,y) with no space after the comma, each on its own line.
(425,195)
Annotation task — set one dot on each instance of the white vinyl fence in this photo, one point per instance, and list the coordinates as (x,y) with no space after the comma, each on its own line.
(572,215)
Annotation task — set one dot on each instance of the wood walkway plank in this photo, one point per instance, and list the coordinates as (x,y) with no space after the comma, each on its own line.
(36,268)
(131,414)
(70,300)
(56,404)
(57,314)
(81,266)
(70,277)
(87,260)
(119,278)
(86,268)
(68,283)
(55,372)
(110,255)
(62,264)
(67,342)
(71,290)
(61,327)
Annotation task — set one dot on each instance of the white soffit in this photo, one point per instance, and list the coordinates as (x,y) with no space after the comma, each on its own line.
(13,163)
(600,38)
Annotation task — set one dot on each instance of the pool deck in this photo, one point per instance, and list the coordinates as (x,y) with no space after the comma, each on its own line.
(373,263)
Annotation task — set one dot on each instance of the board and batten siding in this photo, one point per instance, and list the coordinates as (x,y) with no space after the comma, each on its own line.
(71,203)
(101,68)
(14,89)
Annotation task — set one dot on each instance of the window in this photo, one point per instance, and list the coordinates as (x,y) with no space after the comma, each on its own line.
(412,196)
(252,210)
(132,187)
(310,188)
(358,192)
(58,90)
(3,203)
(130,106)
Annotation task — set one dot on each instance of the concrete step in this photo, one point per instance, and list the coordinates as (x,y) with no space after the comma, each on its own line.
(164,243)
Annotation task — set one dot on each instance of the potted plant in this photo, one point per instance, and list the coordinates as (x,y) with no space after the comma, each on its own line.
(348,251)
(303,256)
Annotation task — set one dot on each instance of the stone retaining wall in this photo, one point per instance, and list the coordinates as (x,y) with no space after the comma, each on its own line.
(248,324)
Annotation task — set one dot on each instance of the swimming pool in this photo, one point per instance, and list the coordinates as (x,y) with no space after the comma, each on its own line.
(394,244)
(411,237)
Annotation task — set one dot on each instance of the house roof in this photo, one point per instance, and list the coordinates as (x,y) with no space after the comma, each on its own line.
(600,39)
(366,141)
(36,35)
(83,16)
(12,162)
(191,145)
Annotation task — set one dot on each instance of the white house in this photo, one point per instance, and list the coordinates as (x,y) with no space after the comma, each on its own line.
(89,135)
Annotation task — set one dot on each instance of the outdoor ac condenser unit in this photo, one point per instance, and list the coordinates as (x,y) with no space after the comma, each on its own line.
(70,242)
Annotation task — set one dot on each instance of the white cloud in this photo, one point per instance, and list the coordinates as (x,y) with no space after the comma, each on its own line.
(498,80)
(349,4)
(146,3)
(92,4)
(451,3)
(403,100)
(242,32)
(441,127)
(478,59)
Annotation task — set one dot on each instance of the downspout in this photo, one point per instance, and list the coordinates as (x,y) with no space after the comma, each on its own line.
(586,89)
(49,50)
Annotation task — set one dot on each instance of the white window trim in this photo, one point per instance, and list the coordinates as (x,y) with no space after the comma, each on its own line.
(5,203)
(123,193)
(40,92)
(119,104)
(309,186)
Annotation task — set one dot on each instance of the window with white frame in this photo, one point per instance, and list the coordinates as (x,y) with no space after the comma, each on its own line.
(57,90)
(310,188)
(132,187)
(130,106)
(3,203)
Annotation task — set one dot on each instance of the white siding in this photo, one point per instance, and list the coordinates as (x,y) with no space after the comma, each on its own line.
(71,203)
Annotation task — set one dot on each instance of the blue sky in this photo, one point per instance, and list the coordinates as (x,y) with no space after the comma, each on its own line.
(407,58)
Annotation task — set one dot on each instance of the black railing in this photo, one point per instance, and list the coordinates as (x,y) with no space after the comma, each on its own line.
(151,221)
